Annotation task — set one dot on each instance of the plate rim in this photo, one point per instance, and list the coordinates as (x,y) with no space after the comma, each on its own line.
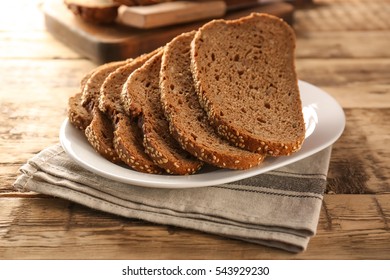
(191,181)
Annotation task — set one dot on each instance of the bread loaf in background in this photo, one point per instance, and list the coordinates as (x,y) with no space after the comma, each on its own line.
(104,11)
(94,11)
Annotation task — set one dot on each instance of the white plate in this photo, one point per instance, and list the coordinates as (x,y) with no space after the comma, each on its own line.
(324,120)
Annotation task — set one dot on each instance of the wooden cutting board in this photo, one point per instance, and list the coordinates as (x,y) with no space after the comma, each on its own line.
(104,43)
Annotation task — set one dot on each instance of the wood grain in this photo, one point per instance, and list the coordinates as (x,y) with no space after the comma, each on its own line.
(356,15)
(54,228)
(328,44)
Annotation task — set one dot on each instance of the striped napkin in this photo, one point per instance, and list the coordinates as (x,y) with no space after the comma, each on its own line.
(278,209)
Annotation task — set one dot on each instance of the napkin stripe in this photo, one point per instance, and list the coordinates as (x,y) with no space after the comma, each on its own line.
(286,183)
(269,193)
(293,174)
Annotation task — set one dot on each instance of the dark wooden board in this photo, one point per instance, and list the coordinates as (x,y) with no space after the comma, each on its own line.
(104,43)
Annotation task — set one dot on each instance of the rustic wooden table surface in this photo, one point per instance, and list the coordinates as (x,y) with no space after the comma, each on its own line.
(342,47)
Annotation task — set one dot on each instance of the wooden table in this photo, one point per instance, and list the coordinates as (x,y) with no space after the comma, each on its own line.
(342,47)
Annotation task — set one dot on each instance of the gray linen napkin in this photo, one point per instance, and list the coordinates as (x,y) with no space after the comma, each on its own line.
(279,208)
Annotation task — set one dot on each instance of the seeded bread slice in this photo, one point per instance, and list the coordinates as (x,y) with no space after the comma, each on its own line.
(99,132)
(91,91)
(100,135)
(110,100)
(143,98)
(188,122)
(127,141)
(80,106)
(245,79)
(128,145)
(78,116)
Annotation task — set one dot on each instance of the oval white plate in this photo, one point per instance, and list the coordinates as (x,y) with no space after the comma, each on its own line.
(324,118)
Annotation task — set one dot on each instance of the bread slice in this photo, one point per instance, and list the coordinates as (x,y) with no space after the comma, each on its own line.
(110,100)
(80,106)
(127,136)
(78,116)
(100,130)
(142,94)
(128,145)
(91,91)
(188,122)
(100,135)
(94,11)
(245,77)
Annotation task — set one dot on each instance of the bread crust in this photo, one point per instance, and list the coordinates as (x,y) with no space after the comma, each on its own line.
(112,134)
(91,89)
(127,142)
(99,131)
(188,122)
(78,116)
(255,103)
(143,96)
(111,100)
(128,145)
(202,98)
(100,135)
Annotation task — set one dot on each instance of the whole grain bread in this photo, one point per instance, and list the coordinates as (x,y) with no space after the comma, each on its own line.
(246,82)
(114,136)
(100,131)
(100,135)
(91,89)
(188,122)
(110,100)
(78,116)
(94,11)
(142,94)
(128,145)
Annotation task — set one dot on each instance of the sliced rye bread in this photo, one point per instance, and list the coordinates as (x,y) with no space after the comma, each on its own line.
(128,145)
(100,131)
(117,142)
(78,116)
(91,91)
(100,135)
(245,79)
(127,136)
(142,93)
(110,100)
(188,122)
(80,106)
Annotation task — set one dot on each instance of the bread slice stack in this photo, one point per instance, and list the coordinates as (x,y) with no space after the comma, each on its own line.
(224,95)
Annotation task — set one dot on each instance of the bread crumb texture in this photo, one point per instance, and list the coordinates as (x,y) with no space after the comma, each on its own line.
(245,77)
(225,95)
